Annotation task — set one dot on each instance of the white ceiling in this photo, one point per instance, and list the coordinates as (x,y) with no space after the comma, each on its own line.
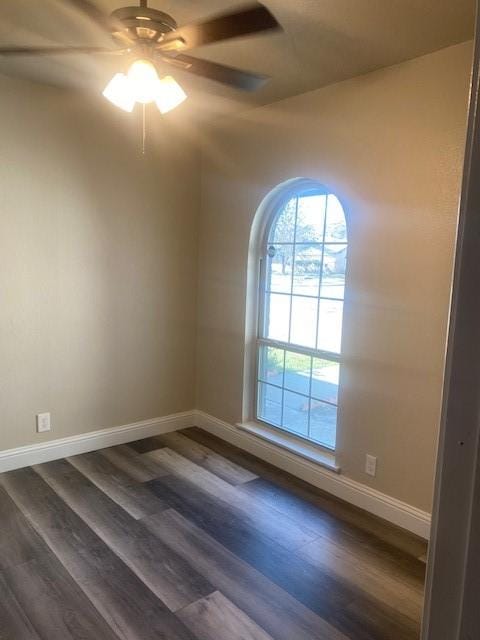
(324,41)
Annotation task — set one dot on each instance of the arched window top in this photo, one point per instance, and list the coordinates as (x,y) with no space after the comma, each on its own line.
(302,286)
(312,215)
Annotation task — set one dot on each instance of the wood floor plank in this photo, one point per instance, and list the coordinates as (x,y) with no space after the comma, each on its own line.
(19,543)
(147,444)
(358,519)
(126,603)
(61,530)
(268,520)
(273,609)
(321,591)
(139,468)
(317,520)
(165,573)
(135,498)
(57,607)
(370,548)
(14,623)
(205,457)
(215,617)
(367,614)
(373,578)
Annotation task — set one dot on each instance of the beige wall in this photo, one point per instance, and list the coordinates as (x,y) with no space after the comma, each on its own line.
(390,145)
(98,253)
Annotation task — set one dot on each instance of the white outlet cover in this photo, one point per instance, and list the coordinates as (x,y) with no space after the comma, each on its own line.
(43,422)
(370,465)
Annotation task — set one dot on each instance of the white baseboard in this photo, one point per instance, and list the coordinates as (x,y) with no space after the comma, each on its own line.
(381,505)
(386,507)
(93,440)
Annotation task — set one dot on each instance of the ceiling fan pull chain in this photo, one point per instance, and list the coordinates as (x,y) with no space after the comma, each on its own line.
(144,129)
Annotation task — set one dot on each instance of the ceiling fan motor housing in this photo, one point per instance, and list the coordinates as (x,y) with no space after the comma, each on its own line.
(140,23)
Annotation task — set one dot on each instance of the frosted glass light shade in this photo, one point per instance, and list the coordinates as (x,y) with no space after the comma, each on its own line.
(142,84)
(143,79)
(119,93)
(169,94)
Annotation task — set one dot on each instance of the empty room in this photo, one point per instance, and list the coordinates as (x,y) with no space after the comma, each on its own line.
(239,320)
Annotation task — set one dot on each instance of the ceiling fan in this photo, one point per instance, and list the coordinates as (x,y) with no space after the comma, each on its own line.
(146,37)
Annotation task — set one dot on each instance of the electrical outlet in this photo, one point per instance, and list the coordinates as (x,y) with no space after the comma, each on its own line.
(43,422)
(370,465)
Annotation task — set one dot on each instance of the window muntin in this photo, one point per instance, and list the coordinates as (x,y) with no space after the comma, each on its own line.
(300,329)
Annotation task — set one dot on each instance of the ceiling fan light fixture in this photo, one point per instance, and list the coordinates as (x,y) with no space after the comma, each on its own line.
(119,92)
(143,80)
(170,94)
(142,84)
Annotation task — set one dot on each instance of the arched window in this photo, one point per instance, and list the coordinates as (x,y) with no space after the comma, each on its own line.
(302,284)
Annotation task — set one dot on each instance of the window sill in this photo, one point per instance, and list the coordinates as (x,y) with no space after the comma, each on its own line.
(300,448)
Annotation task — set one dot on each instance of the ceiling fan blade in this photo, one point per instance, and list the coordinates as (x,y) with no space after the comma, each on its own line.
(252,19)
(47,51)
(101,19)
(220,73)
(93,12)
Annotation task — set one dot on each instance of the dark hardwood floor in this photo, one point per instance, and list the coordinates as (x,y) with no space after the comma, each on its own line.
(184,537)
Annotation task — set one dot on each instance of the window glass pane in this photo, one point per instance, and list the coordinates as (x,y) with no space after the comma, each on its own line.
(304,321)
(295,413)
(279,268)
(310,218)
(307,266)
(333,273)
(269,403)
(304,284)
(330,325)
(323,423)
(277,316)
(336,228)
(325,380)
(283,229)
(297,372)
(270,367)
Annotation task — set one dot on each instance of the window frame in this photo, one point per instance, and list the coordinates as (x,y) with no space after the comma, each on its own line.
(297,188)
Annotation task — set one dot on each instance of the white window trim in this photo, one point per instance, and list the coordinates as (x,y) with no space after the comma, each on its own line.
(299,446)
